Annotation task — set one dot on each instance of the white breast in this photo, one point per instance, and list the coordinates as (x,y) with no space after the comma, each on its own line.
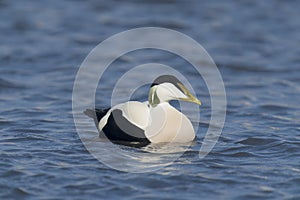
(168,125)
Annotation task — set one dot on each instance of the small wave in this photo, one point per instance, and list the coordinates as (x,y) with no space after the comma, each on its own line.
(5,84)
(12,173)
(245,68)
(242,154)
(5,122)
(18,193)
(253,141)
(274,107)
(23,139)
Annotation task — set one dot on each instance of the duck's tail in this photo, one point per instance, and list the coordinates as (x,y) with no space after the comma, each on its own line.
(96,114)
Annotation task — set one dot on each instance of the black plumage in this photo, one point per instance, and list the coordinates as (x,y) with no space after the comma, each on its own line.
(118,129)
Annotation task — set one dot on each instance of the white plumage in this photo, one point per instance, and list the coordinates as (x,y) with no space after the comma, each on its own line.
(154,121)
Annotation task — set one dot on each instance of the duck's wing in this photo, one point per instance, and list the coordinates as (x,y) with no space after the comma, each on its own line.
(97,114)
(119,128)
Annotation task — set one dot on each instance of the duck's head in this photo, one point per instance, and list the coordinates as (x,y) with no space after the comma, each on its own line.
(166,88)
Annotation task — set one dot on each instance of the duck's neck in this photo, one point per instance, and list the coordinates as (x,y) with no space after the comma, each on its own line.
(153,98)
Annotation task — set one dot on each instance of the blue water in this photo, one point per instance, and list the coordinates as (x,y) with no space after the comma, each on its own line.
(255,45)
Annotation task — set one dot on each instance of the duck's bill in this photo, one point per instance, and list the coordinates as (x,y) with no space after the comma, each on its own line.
(190,98)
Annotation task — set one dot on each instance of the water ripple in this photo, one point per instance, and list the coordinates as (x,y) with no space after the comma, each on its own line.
(257,155)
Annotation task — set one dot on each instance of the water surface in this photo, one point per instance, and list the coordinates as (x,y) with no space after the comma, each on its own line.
(256,47)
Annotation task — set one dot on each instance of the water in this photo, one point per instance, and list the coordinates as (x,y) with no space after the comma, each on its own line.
(256,47)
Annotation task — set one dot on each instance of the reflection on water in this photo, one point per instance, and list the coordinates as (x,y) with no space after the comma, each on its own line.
(127,158)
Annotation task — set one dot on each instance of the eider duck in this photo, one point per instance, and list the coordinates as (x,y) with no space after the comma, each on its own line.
(136,123)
